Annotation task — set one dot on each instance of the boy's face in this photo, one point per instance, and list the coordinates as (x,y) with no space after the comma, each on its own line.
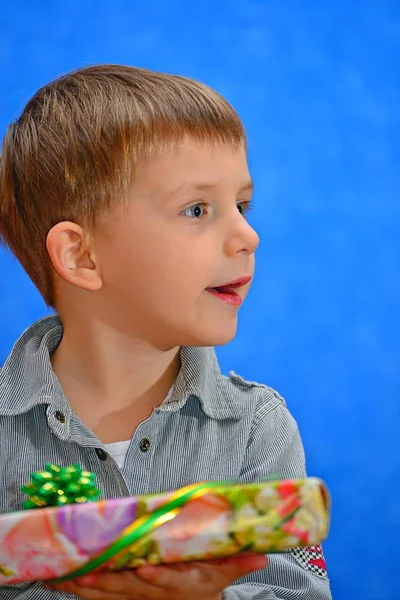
(181,235)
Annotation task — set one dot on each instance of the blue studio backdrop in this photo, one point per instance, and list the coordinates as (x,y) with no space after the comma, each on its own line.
(317,85)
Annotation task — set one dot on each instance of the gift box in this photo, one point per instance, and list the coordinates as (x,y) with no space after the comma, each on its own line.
(198,522)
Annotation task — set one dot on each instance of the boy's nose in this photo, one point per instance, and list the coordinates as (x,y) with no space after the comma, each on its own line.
(242,238)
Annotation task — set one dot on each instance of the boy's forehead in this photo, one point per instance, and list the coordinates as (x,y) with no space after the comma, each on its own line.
(197,166)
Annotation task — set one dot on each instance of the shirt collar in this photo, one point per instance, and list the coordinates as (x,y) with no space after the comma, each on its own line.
(27,378)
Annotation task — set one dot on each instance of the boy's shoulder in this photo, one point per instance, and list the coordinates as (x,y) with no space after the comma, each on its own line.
(223,396)
(25,377)
(237,382)
(245,390)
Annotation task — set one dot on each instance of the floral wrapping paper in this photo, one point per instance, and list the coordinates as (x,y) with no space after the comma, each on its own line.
(49,543)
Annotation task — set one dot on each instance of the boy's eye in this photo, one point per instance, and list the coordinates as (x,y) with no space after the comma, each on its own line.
(244,207)
(196,211)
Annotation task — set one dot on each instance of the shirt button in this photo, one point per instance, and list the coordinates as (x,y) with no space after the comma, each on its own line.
(102,454)
(60,416)
(144,445)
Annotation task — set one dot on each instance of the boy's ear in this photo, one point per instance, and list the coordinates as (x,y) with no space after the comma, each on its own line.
(72,255)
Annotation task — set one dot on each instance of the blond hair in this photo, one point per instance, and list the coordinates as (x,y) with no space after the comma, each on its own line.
(73,151)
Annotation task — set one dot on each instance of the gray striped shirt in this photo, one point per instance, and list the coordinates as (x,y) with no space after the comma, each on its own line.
(211,427)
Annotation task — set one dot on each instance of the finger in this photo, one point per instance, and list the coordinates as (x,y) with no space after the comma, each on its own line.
(248,560)
(179,575)
(112,586)
(146,581)
(229,570)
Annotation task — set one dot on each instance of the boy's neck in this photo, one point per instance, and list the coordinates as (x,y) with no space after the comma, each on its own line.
(112,371)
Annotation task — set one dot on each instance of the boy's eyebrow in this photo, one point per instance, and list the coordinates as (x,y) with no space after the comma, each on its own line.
(247,186)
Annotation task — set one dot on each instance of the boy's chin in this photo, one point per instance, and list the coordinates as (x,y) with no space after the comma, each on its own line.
(222,339)
(215,336)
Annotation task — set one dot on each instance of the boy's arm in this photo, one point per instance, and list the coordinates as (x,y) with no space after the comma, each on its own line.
(275,447)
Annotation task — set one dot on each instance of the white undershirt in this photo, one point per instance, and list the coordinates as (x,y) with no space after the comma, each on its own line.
(118,451)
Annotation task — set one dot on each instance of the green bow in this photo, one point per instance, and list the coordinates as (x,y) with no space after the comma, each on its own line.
(57,486)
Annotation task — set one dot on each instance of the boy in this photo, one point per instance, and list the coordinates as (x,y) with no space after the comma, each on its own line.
(123,193)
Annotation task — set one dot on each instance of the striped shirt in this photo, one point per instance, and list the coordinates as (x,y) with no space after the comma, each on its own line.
(210,427)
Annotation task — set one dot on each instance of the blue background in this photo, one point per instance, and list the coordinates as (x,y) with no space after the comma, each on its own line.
(317,85)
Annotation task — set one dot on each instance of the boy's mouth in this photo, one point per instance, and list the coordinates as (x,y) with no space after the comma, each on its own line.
(227,292)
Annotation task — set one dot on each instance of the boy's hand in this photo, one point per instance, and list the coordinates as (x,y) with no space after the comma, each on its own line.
(205,579)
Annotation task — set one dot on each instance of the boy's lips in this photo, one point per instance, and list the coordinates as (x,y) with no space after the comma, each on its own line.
(227,291)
